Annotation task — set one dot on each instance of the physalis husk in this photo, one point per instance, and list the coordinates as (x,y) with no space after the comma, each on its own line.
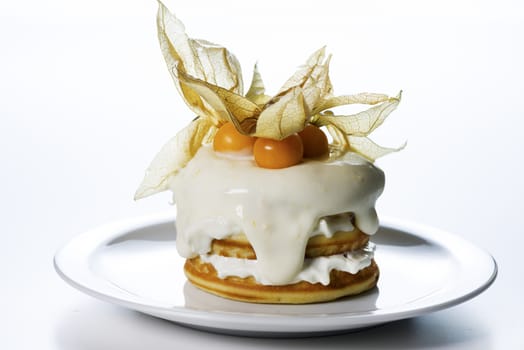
(209,79)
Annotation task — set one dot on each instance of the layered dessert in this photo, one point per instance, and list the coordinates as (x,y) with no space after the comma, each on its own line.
(275,195)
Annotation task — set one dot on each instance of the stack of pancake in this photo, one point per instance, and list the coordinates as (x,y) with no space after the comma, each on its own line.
(204,275)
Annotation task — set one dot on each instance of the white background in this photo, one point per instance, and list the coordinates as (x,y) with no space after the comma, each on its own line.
(86,102)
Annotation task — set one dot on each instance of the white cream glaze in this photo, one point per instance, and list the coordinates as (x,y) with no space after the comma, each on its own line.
(314,270)
(329,225)
(276,209)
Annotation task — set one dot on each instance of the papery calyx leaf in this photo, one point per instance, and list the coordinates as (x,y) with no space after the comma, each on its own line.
(224,105)
(349,132)
(365,122)
(174,155)
(284,117)
(198,58)
(340,143)
(369,149)
(313,78)
(257,90)
(361,98)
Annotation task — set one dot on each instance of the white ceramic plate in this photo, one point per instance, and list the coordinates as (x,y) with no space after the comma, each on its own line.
(134,264)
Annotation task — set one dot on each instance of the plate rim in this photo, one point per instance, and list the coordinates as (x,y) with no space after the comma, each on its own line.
(235,322)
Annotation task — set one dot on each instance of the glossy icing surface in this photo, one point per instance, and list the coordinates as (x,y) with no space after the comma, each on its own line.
(278,210)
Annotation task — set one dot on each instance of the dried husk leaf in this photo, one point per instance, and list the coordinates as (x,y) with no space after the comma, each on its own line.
(304,72)
(174,155)
(361,98)
(199,105)
(257,90)
(320,85)
(238,107)
(313,78)
(224,105)
(349,132)
(340,143)
(220,66)
(284,117)
(369,149)
(362,123)
(198,58)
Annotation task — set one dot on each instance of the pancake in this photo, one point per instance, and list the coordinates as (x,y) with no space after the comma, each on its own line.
(204,276)
(237,246)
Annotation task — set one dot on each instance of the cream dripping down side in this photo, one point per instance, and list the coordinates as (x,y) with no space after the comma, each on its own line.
(278,210)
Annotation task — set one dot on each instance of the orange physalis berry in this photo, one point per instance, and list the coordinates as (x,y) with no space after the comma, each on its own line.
(229,140)
(315,141)
(277,154)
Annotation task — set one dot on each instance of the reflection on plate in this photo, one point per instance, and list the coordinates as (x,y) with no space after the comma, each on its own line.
(134,264)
